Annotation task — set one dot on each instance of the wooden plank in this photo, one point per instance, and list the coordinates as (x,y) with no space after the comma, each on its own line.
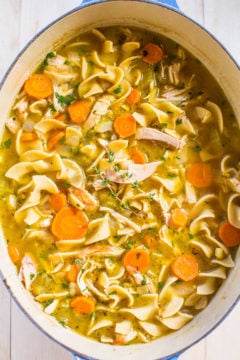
(222,19)
(29,343)
(5,329)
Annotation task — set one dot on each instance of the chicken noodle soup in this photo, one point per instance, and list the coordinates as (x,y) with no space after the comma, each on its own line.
(120,184)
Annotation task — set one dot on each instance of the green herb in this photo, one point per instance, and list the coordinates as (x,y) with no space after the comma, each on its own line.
(125,205)
(32,276)
(118,90)
(92,315)
(116,167)
(129,244)
(64,285)
(82,50)
(66,185)
(66,62)
(191,236)
(65,100)
(96,170)
(113,193)
(197,149)
(161,285)
(135,184)
(52,108)
(163,158)
(151,196)
(144,280)
(111,154)
(78,262)
(45,61)
(105,182)
(125,175)
(169,112)
(7,144)
(171,175)
(112,293)
(164,124)
(47,302)
(178,121)
(43,255)
(62,322)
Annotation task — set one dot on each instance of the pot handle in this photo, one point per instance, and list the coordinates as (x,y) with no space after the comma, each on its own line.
(171,3)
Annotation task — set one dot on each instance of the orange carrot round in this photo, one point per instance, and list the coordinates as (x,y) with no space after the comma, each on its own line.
(82,304)
(61,117)
(152,53)
(138,156)
(200,175)
(229,234)
(28,136)
(137,259)
(13,253)
(69,224)
(178,218)
(185,267)
(72,273)
(134,97)
(150,241)
(38,86)
(55,138)
(79,111)
(125,125)
(58,201)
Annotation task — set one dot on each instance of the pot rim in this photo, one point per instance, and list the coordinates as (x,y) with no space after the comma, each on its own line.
(2,82)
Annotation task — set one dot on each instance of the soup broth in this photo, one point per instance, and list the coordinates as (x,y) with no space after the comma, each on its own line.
(119,183)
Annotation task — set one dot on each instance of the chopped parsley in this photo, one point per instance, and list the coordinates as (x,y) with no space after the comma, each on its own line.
(45,61)
(111,154)
(96,170)
(6,144)
(118,90)
(178,122)
(135,185)
(65,100)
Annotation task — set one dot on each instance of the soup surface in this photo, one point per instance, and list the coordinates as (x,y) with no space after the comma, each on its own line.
(120,185)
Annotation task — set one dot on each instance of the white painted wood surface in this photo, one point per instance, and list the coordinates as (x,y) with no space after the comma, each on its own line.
(19,21)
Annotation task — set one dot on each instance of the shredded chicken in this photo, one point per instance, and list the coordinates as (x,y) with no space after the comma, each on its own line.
(156,135)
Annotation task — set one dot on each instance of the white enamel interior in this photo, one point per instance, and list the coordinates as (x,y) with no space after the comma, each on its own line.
(176,26)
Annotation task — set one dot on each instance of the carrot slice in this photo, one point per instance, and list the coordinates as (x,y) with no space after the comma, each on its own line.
(152,53)
(58,201)
(55,138)
(178,218)
(134,97)
(61,117)
(137,258)
(229,234)
(185,267)
(13,253)
(125,125)
(150,241)
(82,304)
(79,111)
(69,224)
(138,156)
(72,273)
(200,175)
(28,136)
(38,86)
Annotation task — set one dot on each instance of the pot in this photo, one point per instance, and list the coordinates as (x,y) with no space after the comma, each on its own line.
(166,20)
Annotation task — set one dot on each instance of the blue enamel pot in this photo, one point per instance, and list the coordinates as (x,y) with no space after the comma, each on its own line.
(165,18)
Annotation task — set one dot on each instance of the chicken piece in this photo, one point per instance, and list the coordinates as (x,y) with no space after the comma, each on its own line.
(156,135)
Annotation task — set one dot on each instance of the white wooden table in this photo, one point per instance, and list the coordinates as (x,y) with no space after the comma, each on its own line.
(19,21)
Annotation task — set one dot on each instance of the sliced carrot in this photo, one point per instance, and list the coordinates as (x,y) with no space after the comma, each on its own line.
(58,201)
(138,156)
(152,53)
(150,241)
(200,175)
(82,304)
(178,218)
(137,259)
(134,97)
(79,111)
(55,138)
(72,273)
(61,117)
(13,253)
(69,224)
(229,234)
(125,125)
(185,267)
(38,86)
(28,136)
